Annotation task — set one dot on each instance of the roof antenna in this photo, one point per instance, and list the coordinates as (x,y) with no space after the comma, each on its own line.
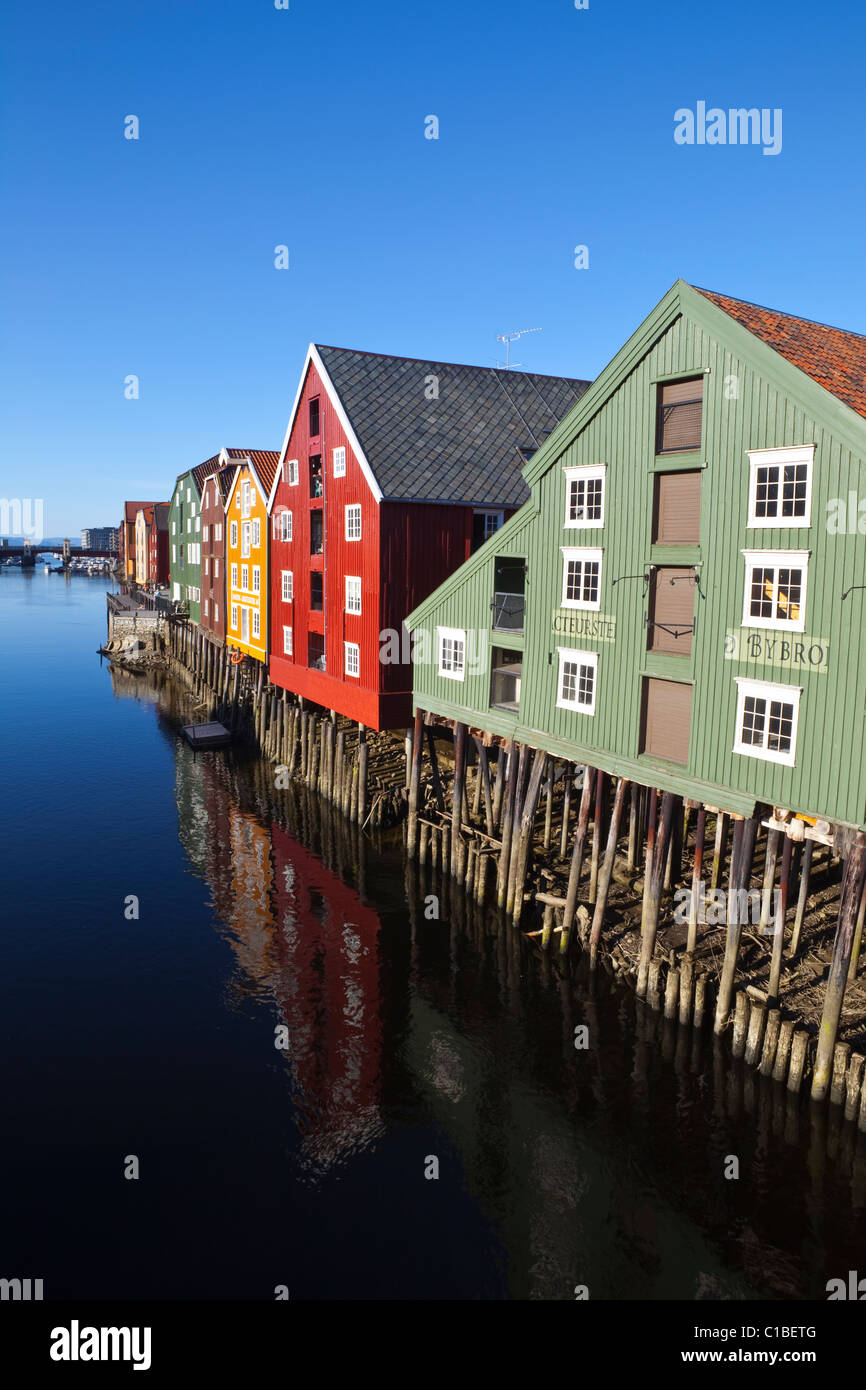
(508,339)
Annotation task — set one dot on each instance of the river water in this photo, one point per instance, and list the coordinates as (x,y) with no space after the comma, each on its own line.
(411,1044)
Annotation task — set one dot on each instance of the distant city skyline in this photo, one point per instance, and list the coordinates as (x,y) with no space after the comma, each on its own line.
(542,172)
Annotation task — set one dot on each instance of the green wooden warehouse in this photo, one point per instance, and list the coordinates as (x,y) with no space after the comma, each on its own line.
(680,604)
(185,537)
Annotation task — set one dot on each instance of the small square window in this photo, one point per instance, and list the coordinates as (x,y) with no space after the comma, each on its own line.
(775,590)
(577,680)
(340,462)
(584,497)
(767,717)
(780,486)
(581,578)
(452,653)
(353,658)
(353,522)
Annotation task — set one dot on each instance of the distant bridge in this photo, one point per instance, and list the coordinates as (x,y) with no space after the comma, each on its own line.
(30,550)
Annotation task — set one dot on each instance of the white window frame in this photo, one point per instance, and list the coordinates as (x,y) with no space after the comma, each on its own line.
(234,535)
(775,560)
(487,513)
(234,576)
(454,634)
(204,535)
(287,642)
(352,647)
(766,690)
(245,540)
(234,622)
(292,472)
(245,497)
(288,575)
(257,579)
(216,612)
(245,579)
(207,565)
(206,608)
(339,457)
(585,473)
(573,654)
(353,593)
(772,458)
(256,533)
(351,508)
(218,531)
(216,567)
(589,555)
(257,623)
(174,554)
(286,526)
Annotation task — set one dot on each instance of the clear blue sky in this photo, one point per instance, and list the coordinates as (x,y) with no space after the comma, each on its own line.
(306,127)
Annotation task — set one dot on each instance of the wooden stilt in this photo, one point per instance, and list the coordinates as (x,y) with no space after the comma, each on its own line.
(803,896)
(634,799)
(577,858)
(457,794)
(363,763)
(434,768)
(740,872)
(522,772)
(527,821)
(853,881)
(597,832)
(566,807)
(509,780)
(548,804)
(858,938)
(414,786)
(697,878)
(779,923)
(654,873)
(770,860)
(484,784)
(606,871)
(722,823)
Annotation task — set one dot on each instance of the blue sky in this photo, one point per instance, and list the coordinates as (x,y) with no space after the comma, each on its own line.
(261,127)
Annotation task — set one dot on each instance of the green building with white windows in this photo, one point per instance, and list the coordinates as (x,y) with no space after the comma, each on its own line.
(682,600)
(185,540)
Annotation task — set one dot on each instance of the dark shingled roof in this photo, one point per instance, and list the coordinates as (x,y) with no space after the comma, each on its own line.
(833,357)
(469,445)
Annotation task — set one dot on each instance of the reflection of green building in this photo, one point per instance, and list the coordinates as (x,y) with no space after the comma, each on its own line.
(670,604)
(572,1204)
(185,540)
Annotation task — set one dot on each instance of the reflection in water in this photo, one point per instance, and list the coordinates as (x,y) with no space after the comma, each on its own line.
(602,1167)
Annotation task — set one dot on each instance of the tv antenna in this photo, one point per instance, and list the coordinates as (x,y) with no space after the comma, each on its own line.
(508,339)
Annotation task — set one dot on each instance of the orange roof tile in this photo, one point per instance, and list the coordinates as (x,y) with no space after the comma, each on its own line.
(833,357)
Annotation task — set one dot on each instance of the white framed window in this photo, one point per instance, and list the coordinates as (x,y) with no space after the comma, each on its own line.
(775,589)
(767,717)
(353,522)
(204,534)
(188,494)
(257,579)
(245,540)
(257,622)
(581,577)
(234,617)
(206,608)
(174,554)
(174,528)
(198,524)
(245,578)
(353,594)
(353,658)
(285,526)
(451,643)
(234,535)
(189,525)
(584,496)
(216,613)
(238,498)
(245,498)
(257,533)
(577,680)
(292,472)
(287,641)
(288,586)
(192,508)
(234,578)
(340,462)
(216,567)
(206,565)
(218,531)
(489,523)
(780,486)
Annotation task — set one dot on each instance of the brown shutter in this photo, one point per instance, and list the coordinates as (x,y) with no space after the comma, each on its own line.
(666,720)
(680,405)
(672,610)
(677,508)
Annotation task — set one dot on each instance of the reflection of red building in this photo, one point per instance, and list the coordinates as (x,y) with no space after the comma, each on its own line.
(328,991)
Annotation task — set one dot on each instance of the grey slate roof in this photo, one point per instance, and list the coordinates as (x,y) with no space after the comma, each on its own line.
(465,445)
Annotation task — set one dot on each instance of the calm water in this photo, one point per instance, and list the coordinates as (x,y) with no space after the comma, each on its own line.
(407,1039)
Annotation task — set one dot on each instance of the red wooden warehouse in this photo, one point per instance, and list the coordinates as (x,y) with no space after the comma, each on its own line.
(392,471)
